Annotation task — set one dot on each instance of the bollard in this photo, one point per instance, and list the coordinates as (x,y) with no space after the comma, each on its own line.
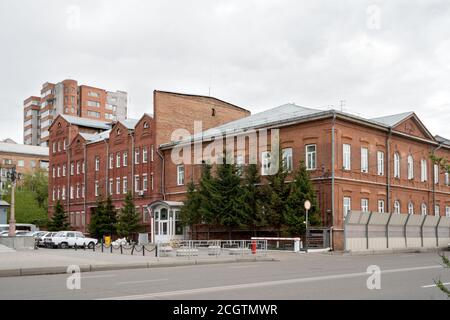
(110,247)
(76,247)
(93,247)
(121,250)
(156,250)
(143,250)
(132,250)
(84,247)
(102,244)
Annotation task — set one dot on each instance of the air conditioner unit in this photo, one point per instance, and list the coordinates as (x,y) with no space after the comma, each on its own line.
(141,192)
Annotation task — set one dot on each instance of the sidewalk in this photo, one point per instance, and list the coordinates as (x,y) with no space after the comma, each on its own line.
(55,261)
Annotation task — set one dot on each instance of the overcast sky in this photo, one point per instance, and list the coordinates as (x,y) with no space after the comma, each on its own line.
(381,57)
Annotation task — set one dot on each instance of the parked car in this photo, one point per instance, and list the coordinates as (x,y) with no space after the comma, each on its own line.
(18,233)
(46,240)
(66,239)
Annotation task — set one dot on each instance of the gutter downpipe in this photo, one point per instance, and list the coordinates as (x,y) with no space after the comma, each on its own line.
(84,184)
(388,184)
(107,168)
(434,179)
(333,129)
(132,163)
(163,192)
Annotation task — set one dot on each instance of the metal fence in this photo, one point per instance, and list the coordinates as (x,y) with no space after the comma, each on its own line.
(381,231)
(211,248)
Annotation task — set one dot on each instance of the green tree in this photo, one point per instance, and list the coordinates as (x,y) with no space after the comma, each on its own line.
(301,189)
(128,220)
(439,284)
(228,202)
(58,222)
(103,219)
(37,183)
(275,194)
(190,211)
(252,198)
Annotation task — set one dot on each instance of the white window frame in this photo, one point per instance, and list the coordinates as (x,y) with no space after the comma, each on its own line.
(447,179)
(96,188)
(410,208)
(125,159)
(364,160)
(397,165)
(397,207)
(111,161)
(124,185)
(118,160)
(380,163)
(144,155)
(437,210)
(71,192)
(347,205)
(118,190)
(423,170)
(111,186)
(346,157)
(136,183)
(97,163)
(447,211)
(137,154)
(287,159)
(78,167)
(410,167)
(436,174)
(152,151)
(64,170)
(144,182)
(424,209)
(266,161)
(365,205)
(152,181)
(77,193)
(381,206)
(311,157)
(72,168)
(180,175)
(58,172)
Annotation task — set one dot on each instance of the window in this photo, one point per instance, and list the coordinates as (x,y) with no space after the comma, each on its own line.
(94,104)
(151,181)
(71,192)
(58,171)
(125,185)
(78,167)
(447,211)
(94,114)
(117,185)
(65,144)
(144,182)
(59,146)
(53,195)
(118,160)
(311,157)
(33,163)
(364,160)
(111,161)
(145,215)
(136,155)
(71,168)
(93,94)
(82,190)
(54,171)
(239,165)
(59,193)
(20,163)
(180,175)
(7,161)
(125,159)
(96,188)
(365,205)
(410,208)
(144,155)
(347,153)
(78,191)
(423,170)
(110,188)
(63,195)
(145,125)
(64,170)
(437,210)
(436,174)
(266,162)
(380,163)
(97,163)
(287,159)
(347,205)
(82,167)
(424,209)
(397,208)
(410,167)
(136,183)
(447,179)
(151,153)
(54,147)
(381,206)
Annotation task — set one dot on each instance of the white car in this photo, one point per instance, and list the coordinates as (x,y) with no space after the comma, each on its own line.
(66,239)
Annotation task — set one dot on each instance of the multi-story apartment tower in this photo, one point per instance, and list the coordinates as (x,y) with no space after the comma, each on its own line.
(69,98)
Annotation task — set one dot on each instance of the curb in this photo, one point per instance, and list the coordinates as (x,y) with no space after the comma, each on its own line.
(107,267)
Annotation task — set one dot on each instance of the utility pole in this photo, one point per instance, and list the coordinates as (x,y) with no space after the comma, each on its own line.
(13,176)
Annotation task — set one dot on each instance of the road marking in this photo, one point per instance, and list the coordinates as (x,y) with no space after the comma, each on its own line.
(140,281)
(262,284)
(99,276)
(241,267)
(433,285)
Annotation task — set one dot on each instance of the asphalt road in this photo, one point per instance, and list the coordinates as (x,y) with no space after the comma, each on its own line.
(296,276)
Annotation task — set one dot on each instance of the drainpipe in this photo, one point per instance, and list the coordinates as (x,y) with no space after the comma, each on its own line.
(333,138)
(132,164)
(107,168)
(162,173)
(84,185)
(434,178)
(388,175)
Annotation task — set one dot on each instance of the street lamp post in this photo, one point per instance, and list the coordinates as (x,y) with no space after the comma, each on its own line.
(13,176)
(307,207)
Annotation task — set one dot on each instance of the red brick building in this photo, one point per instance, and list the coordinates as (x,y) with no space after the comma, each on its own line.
(90,159)
(379,165)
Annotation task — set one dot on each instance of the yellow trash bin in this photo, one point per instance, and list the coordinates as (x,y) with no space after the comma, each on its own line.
(107,241)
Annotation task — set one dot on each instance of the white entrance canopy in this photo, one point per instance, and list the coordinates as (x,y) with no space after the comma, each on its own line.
(165,221)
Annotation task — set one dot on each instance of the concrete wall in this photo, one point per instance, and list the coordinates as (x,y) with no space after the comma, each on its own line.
(18,243)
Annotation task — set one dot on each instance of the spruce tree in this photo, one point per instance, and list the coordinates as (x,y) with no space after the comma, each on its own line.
(252,198)
(58,221)
(301,189)
(129,219)
(103,219)
(229,207)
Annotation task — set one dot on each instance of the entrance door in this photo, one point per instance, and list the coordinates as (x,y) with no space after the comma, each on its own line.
(162,233)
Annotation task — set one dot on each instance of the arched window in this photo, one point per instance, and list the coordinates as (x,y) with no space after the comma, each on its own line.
(410,208)
(397,207)
(410,167)
(424,209)
(397,165)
